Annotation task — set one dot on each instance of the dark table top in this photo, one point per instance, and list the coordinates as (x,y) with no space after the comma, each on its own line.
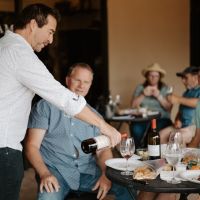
(132,118)
(156,185)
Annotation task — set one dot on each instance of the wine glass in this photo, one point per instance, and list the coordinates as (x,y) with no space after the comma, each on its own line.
(127,149)
(176,136)
(173,155)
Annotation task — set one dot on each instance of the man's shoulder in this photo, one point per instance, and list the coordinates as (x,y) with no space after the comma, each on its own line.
(45,104)
(90,107)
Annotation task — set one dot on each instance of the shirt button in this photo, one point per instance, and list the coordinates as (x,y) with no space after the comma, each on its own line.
(71,135)
(74,155)
(72,124)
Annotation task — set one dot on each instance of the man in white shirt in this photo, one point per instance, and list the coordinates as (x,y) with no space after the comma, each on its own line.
(22,75)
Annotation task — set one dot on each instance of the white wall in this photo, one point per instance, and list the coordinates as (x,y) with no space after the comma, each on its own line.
(142,32)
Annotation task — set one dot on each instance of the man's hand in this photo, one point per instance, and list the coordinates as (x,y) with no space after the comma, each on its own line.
(112,133)
(177,124)
(103,185)
(50,183)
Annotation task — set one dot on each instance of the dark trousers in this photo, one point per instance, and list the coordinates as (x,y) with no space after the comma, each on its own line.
(11,173)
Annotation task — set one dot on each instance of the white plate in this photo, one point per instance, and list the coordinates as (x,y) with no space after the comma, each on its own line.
(125,117)
(149,113)
(120,163)
(136,157)
(191,175)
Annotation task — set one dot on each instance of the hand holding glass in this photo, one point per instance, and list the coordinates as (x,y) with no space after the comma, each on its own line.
(127,149)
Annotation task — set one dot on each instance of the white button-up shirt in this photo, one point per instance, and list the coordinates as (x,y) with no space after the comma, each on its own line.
(22,75)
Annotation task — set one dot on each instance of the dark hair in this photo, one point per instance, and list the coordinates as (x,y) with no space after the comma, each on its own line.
(39,12)
(81,65)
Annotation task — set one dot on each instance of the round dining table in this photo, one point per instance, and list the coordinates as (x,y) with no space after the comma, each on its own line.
(157,185)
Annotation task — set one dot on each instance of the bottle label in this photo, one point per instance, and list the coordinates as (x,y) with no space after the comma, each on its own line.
(102,141)
(154,150)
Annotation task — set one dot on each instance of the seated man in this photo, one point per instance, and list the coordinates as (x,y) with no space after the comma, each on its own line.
(185,114)
(53,147)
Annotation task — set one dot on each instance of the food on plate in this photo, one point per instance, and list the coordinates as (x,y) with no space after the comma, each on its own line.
(188,158)
(143,153)
(192,160)
(144,172)
(167,167)
(195,167)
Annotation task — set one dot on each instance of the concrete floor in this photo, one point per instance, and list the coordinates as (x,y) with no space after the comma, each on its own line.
(29,188)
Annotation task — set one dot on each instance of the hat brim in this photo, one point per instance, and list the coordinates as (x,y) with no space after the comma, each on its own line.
(162,72)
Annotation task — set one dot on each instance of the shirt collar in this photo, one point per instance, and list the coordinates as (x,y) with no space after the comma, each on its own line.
(20,38)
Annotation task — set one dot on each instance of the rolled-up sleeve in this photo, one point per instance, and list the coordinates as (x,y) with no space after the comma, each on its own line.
(33,74)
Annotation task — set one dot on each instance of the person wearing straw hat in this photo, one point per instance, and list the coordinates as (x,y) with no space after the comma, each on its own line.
(151,95)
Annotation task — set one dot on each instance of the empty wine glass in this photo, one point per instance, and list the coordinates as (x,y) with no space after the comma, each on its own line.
(173,155)
(176,136)
(127,149)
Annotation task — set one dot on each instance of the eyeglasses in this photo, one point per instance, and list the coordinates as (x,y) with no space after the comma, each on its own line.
(153,76)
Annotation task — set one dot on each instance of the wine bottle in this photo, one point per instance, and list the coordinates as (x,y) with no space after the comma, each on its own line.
(154,142)
(92,145)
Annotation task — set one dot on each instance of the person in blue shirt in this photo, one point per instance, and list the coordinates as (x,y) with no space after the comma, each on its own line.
(53,147)
(184,117)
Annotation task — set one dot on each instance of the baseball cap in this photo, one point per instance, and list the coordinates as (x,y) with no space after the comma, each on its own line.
(188,70)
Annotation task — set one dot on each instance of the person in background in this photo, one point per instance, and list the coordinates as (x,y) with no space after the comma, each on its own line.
(151,95)
(22,75)
(184,117)
(195,142)
(53,147)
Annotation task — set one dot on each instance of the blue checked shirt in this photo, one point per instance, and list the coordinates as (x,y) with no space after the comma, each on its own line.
(61,145)
(187,113)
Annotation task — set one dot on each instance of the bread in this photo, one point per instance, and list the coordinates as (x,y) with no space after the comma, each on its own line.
(144,172)
(167,167)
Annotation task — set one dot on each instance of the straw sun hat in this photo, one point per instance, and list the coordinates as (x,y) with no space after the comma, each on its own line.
(155,67)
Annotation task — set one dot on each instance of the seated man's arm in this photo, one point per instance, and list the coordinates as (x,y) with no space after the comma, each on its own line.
(103,184)
(190,102)
(32,146)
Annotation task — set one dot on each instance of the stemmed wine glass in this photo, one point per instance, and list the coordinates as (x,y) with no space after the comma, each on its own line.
(173,153)
(127,149)
(176,136)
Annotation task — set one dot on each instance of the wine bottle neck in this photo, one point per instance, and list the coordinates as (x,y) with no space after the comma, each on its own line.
(153,124)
